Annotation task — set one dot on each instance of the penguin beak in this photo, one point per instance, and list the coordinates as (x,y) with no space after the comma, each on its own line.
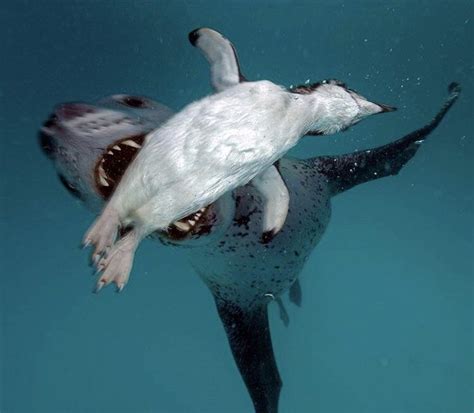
(386,108)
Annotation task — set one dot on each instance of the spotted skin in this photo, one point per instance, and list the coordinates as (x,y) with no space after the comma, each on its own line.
(245,270)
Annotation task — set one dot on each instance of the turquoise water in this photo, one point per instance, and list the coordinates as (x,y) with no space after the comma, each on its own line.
(386,322)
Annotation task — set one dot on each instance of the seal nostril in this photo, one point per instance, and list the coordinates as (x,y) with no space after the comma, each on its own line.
(46,144)
(194,36)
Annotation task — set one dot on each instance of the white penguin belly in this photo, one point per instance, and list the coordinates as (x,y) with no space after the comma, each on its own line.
(209,148)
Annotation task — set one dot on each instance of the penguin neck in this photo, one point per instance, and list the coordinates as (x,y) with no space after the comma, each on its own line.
(319,116)
(308,113)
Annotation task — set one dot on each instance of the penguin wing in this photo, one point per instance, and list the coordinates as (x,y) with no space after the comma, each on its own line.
(276,200)
(346,171)
(221,55)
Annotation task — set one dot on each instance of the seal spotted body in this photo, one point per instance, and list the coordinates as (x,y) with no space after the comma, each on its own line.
(243,274)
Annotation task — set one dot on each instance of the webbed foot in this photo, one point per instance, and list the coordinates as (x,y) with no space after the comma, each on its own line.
(102,233)
(116,266)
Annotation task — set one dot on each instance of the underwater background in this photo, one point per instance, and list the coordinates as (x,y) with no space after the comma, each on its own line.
(386,324)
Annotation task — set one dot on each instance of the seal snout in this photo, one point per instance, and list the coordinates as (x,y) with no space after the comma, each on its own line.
(194,36)
(68,111)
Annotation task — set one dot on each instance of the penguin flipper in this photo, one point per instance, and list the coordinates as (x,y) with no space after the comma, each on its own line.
(275,200)
(249,337)
(346,171)
(221,55)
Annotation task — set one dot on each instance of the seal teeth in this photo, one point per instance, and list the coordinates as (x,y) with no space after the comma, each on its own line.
(183,226)
(131,143)
(117,148)
(102,176)
(192,222)
(103,181)
(109,153)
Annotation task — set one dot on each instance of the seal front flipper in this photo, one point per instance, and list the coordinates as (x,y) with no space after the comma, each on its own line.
(221,55)
(249,337)
(275,201)
(346,171)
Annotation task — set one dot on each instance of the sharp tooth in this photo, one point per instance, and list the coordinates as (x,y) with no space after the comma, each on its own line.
(131,143)
(117,148)
(191,221)
(110,152)
(102,176)
(202,209)
(103,181)
(182,226)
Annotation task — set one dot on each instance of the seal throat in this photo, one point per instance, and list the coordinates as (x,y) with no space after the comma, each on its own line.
(112,165)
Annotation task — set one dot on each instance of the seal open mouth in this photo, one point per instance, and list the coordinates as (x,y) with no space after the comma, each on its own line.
(114,162)
(112,165)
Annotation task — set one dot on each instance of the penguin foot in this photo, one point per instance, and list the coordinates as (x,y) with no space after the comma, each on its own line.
(102,234)
(116,266)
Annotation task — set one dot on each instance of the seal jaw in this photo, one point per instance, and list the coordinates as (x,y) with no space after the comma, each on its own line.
(113,163)
(110,169)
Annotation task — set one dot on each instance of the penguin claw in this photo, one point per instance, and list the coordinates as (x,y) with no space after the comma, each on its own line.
(99,286)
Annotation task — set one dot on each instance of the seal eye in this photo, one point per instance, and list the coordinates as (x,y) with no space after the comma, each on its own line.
(135,102)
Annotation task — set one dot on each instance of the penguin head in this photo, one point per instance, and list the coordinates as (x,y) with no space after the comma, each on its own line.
(337,107)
